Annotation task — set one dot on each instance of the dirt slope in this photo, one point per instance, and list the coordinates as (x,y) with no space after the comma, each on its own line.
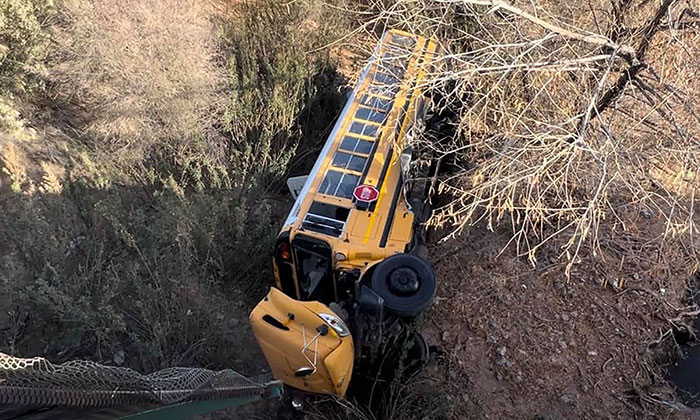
(525,342)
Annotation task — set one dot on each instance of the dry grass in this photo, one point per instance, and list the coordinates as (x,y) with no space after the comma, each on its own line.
(142,74)
(135,187)
(13,166)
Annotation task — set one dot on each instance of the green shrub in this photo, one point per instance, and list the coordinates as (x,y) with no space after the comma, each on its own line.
(178,127)
(275,51)
(23,40)
(157,276)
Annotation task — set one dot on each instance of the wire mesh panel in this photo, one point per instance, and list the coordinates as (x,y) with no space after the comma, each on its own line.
(38,382)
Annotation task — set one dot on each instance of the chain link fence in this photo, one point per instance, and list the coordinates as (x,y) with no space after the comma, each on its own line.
(38,382)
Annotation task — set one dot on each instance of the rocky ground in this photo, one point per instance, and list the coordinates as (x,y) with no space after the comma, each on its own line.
(524,342)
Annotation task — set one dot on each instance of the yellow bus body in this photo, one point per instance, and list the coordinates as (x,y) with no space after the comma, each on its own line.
(377,121)
(288,333)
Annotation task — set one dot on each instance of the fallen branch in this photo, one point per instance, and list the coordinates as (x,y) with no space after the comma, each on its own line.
(500,5)
(631,74)
(573,64)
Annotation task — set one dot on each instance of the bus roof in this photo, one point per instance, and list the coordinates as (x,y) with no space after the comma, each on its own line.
(359,150)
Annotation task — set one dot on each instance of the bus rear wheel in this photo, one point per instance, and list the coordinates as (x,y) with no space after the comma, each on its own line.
(406,283)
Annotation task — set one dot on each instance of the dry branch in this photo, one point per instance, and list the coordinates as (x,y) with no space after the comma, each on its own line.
(592,38)
(551,136)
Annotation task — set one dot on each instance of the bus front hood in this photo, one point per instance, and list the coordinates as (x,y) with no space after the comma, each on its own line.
(303,350)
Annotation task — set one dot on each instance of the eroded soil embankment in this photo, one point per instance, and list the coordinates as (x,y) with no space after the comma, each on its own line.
(524,342)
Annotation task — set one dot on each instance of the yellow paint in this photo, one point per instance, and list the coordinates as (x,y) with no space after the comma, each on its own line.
(363,229)
(382,193)
(283,348)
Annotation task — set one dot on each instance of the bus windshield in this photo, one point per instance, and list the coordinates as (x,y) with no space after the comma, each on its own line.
(314,268)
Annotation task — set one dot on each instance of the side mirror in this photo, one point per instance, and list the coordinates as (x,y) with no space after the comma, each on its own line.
(304,371)
(296,184)
(370,302)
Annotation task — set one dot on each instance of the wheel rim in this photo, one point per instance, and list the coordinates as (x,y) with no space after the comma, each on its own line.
(403,281)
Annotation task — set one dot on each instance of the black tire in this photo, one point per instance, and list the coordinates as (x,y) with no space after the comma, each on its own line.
(406,283)
(417,356)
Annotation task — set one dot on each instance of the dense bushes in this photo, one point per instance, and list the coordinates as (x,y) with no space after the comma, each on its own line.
(23,41)
(148,272)
(161,132)
(272,61)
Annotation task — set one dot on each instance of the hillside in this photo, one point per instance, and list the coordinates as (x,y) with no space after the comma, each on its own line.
(144,147)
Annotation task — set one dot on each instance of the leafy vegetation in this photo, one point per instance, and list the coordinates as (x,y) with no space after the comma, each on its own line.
(23,41)
(142,144)
(137,222)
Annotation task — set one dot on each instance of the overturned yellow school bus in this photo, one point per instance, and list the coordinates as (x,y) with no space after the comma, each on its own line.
(355,220)
(348,276)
